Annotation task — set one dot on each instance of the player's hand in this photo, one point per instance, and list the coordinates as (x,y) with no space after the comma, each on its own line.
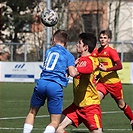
(67,73)
(102,67)
(77,61)
(97,77)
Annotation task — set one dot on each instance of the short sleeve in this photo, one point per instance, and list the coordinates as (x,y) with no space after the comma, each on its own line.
(71,60)
(114,55)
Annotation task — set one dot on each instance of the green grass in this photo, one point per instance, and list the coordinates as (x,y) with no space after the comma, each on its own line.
(14,106)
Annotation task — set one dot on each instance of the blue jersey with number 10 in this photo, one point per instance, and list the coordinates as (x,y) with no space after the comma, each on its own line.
(57,60)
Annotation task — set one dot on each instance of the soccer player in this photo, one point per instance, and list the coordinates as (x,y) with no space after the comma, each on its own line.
(57,61)
(109,81)
(85,107)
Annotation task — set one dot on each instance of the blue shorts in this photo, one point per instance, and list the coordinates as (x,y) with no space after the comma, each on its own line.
(51,91)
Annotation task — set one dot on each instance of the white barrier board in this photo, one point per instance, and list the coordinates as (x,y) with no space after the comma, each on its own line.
(30,72)
(17,72)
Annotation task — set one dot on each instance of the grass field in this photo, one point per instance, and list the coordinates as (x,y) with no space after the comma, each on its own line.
(14,106)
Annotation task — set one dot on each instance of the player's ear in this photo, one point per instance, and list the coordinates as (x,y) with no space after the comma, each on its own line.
(86,47)
(109,39)
(53,40)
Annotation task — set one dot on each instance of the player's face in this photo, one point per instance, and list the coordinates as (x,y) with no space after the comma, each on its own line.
(80,47)
(104,40)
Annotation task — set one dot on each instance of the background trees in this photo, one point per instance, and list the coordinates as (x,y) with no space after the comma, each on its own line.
(20,21)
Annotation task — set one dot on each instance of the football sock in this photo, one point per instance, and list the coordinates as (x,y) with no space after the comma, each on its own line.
(132,125)
(128,112)
(27,128)
(49,129)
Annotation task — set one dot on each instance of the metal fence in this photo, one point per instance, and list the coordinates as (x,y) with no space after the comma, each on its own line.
(19,52)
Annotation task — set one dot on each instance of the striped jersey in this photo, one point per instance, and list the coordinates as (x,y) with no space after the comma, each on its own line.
(107,56)
(84,89)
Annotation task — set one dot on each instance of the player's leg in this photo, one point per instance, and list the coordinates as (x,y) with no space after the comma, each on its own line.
(102,91)
(28,126)
(117,94)
(92,118)
(55,120)
(101,95)
(69,117)
(37,100)
(64,123)
(126,109)
(55,101)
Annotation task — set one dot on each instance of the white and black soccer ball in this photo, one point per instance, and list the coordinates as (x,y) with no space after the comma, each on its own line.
(49,17)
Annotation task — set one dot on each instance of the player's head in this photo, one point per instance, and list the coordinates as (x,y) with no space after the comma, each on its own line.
(89,41)
(60,36)
(106,32)
(104,37)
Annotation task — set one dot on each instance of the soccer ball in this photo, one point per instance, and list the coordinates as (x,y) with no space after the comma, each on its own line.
(49,18)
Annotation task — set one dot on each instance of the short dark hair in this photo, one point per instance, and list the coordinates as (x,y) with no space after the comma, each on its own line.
(61,36)
(88,39)
(106,32)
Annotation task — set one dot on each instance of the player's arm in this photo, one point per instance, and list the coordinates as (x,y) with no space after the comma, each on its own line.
(117,66)
(85,67)
(72,71)
(117,62)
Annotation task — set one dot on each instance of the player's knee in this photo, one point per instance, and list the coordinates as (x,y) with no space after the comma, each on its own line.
(101,95)
(33,111)
(122,106)
(54,124)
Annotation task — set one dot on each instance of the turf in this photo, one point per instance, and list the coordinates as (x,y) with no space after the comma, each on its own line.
(14,106)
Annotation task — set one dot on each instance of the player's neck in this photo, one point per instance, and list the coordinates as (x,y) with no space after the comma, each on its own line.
(62,44)
(105,46)
(85,54)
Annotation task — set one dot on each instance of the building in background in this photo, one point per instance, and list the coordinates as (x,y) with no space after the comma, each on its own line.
(76,17)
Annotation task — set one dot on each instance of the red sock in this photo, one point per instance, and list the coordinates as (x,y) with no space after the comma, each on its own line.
(65,132)
(128,112)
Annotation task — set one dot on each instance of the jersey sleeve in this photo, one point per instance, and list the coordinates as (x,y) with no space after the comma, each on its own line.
(85,66)
(114,55)
(115,58)
(116,67)
(71,60)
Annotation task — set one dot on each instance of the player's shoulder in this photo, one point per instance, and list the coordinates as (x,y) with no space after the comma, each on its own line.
(93,58)
(95,51)
(110,47)
(111,50)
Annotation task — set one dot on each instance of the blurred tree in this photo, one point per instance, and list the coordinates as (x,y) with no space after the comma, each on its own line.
(17,16)
(24,16)
(20,21)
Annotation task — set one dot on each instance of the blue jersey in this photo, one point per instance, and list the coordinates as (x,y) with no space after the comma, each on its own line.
(57,60)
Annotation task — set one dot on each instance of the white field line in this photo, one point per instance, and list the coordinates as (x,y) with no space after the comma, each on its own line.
(11,118)
(79,129)
(85,129)
(112,112)
(6,128)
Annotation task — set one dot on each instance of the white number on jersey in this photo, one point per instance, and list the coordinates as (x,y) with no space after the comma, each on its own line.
(49,66)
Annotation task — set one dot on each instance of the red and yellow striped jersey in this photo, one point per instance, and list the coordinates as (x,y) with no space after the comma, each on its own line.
(107,56)
(84,89)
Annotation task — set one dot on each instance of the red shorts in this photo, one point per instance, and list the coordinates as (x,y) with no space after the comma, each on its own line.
(89,115)
(115,90)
